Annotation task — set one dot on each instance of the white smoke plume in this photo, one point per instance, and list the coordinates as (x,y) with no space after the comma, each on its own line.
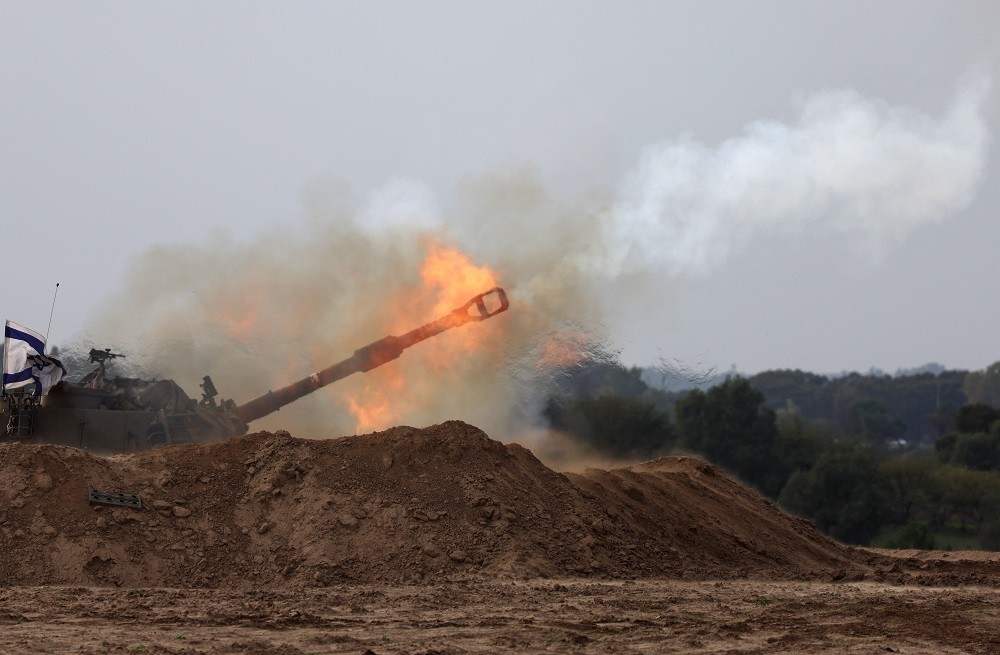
(264,310)
(849,164)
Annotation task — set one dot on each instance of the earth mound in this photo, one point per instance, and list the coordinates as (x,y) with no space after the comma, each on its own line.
(404,505)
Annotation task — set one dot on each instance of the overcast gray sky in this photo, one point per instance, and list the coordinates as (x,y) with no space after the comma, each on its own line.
(126,125)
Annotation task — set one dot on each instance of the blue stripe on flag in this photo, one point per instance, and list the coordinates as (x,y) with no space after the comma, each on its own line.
(34,342)
(10,378)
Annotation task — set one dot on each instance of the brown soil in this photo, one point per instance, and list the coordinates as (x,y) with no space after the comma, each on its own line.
(401,506)
(479,616)
(442,540)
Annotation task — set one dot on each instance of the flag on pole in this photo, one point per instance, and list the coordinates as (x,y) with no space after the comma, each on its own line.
(25,361)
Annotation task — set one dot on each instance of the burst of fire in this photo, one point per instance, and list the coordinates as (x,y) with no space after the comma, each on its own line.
(562,354)
(448,279)
(450,275)
(373,407)
(239,320)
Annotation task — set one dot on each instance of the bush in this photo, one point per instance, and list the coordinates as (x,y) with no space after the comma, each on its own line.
(915,534)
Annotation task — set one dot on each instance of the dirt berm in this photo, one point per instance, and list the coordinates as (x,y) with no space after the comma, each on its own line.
(404,505)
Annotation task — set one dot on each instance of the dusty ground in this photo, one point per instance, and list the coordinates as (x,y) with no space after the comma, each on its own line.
(578,616)
(401,506)
(442,540)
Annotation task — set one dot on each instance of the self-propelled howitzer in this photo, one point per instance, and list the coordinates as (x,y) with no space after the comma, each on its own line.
(107,415)
(485,305)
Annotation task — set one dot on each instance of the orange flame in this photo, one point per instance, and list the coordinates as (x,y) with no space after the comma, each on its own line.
(454,277)
(448,278)
(238,319)
(373,408)
(560,354)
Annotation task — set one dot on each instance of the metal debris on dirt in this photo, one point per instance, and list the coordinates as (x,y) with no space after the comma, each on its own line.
(112,499)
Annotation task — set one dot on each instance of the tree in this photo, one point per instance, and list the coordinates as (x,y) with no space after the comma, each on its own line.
(989,533)
(969,494)
(940,421)
(842,494)
(983,386)
(980,452)
(614,425)
(800,442)
(595,378)
(733,428)
(975,417)
(908,480)
(915,534)
(974,450)
(809,392)
(935,491)
(922,400)
(870,419)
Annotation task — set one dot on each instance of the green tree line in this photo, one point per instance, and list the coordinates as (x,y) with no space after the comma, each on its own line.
(853,476)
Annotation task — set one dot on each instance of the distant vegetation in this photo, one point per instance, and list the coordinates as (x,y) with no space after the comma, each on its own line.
(905,461)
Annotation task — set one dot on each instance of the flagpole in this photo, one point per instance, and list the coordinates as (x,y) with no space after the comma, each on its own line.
(3,387)
(53,311)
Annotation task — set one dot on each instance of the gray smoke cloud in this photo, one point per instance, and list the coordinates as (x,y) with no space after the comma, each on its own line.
(259,311)
(848,164)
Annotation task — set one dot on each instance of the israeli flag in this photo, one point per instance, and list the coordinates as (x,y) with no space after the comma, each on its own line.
(25,361)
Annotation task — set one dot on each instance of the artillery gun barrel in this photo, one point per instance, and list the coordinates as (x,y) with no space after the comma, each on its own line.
(375,354)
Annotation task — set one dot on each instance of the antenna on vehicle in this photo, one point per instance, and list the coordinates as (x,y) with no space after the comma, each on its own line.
(51,313)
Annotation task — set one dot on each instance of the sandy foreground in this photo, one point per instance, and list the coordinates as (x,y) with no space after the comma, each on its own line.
(578,616)
(443,541)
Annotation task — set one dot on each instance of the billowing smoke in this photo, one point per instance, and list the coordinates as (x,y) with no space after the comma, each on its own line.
(259,311)
(262,312)
(851,164)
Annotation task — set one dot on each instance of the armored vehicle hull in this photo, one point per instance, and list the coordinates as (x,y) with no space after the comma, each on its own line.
(108,416)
